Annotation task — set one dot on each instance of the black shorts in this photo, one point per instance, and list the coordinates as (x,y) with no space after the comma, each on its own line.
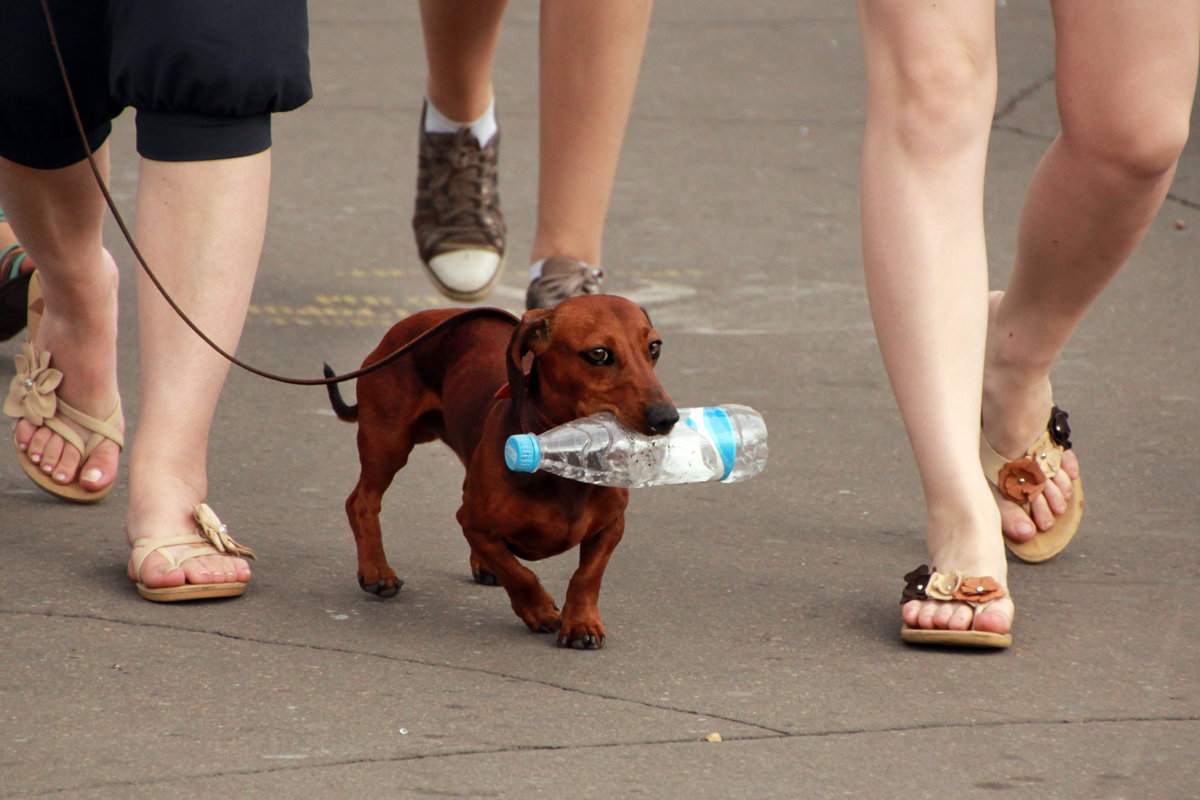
(204,76)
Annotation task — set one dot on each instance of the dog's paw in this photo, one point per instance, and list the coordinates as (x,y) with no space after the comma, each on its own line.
(541,618)
(588,641)
(485,577)
(383,587)
(581,634)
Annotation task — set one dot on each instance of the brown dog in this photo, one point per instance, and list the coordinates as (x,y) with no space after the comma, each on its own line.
(463,383)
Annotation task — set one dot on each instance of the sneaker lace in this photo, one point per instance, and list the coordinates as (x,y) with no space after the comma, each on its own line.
(560,286)
(462,187)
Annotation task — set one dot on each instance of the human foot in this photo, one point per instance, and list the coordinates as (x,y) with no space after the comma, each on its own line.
(955,608)
(963,600)
(1040,514)
(181,551)
(69,430)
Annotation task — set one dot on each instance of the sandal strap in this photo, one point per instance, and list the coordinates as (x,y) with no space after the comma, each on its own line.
(142,548)
(1022,479)
(209,538)
(100,429)
(1044,452)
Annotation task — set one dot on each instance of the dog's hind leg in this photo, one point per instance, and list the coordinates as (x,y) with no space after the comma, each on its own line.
(480,572)
(374,574)
(379,467)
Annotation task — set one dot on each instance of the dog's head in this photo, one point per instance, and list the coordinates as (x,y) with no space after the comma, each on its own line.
(590,354)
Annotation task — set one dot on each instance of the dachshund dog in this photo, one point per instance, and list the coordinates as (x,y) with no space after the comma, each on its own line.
(462,378)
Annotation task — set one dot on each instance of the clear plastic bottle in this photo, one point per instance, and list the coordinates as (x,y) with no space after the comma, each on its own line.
(715,443)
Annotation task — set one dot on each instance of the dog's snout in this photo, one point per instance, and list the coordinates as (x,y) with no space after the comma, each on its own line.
(662,418)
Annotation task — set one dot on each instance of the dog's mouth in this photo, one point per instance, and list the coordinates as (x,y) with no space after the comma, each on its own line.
(657,420)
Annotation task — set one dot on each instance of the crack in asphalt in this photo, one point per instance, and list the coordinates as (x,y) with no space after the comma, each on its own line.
(1023,94)
(767,732)
(519,749)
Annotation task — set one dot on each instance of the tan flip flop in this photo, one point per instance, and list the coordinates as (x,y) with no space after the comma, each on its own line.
(1022,480)
(209,538)
(32,396)
(977,592)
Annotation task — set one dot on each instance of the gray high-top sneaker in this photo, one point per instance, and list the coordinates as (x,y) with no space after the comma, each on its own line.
(562,277)
(457,221)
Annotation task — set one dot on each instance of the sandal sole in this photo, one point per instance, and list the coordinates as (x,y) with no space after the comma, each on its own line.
(981,639)
(191,591)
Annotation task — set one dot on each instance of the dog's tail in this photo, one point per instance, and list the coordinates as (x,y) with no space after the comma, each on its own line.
(344,412)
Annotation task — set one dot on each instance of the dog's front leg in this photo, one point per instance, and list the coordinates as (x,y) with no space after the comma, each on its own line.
(581,625)
(531,602)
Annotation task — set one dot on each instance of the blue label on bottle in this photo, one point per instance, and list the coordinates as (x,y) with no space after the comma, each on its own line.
(715,426)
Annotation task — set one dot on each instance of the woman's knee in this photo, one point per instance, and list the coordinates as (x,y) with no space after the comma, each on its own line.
(1137,146)
(939,100)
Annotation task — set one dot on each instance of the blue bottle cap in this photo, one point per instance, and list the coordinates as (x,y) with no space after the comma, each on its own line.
(522,453)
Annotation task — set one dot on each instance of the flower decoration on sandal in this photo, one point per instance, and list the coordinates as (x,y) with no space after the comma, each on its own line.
(917,581)
(1059,430)
(926,584)
(31,394)
(979,591)
(216,533)
(943,585)
(1022,481)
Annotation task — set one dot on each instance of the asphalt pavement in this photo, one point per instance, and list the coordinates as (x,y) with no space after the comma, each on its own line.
(764,614)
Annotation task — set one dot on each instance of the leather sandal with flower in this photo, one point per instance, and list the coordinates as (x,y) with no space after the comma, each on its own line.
(210,538)
(977,592)
(1022,480)
(32,396)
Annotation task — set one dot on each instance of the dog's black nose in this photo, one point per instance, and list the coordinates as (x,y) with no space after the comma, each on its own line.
(662,418)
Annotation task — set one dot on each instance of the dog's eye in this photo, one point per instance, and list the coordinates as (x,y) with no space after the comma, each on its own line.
(600,356)
(655,350)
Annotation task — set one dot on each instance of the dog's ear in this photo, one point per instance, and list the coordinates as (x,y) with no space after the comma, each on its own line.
(531,335)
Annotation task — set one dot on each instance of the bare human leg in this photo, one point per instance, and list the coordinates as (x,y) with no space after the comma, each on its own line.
(201,226)
(1126,76)
(931,87)
(591,54)
(460,46)
(58,217)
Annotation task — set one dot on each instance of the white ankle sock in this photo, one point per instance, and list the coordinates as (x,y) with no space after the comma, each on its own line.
(483,129)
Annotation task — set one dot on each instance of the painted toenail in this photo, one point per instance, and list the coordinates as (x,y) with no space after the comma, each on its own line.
(92,475)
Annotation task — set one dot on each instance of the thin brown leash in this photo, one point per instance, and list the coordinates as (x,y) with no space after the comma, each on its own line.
(112,206)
